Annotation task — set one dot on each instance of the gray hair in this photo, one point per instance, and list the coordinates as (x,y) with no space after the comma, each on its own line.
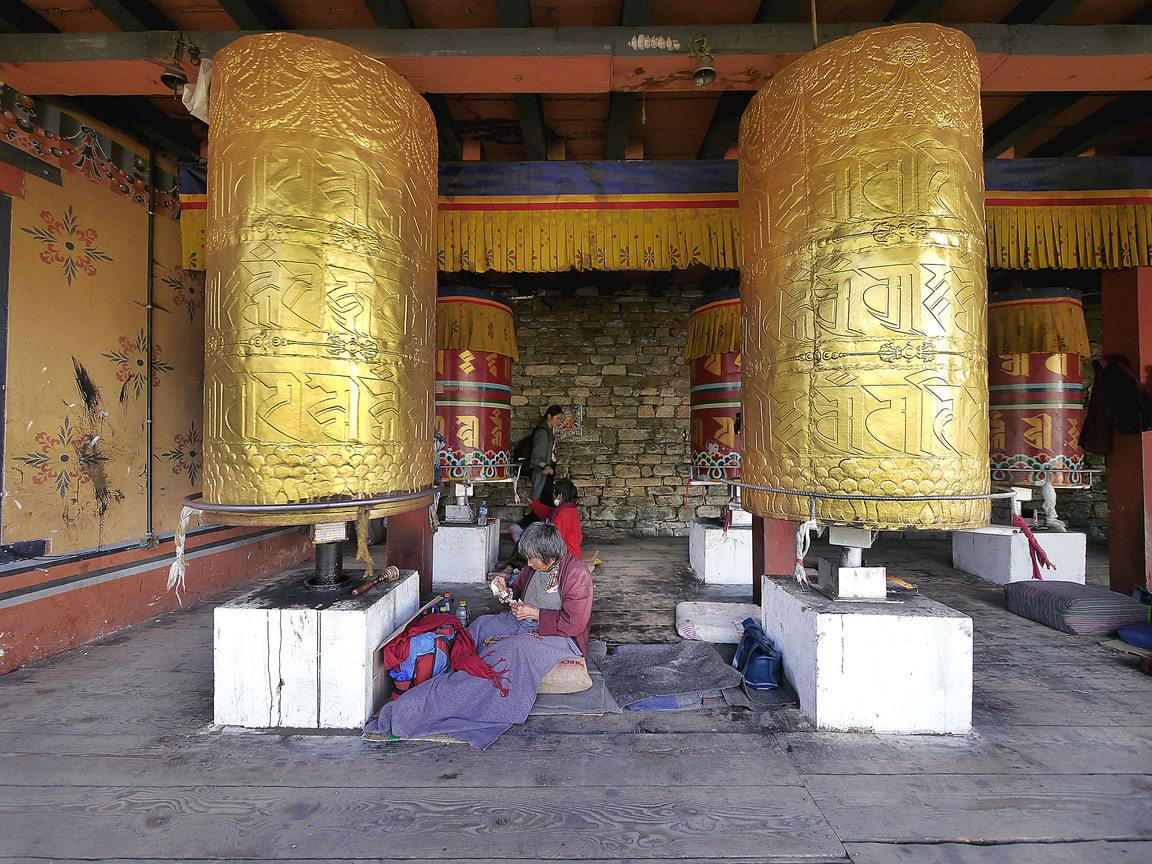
(542,541)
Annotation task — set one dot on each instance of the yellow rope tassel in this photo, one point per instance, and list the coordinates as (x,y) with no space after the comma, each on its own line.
(362,553)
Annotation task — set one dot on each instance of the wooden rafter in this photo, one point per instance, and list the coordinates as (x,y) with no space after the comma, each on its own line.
(133,14)
(253,14)
(633,13)
(914,10)
(1033,112)
(1041,11)
(390,13)
(725,126)
(529,106)
(1117,115)
(15,17)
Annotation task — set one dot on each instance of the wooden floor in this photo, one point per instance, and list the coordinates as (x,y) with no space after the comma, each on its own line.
(108,753)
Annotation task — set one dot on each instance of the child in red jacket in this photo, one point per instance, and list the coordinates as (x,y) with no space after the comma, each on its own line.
(564,514)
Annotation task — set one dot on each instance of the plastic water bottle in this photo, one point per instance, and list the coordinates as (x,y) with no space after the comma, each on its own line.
(482,516)
(446,606)
(462,613)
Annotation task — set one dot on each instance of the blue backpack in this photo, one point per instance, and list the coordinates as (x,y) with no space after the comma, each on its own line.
(757,659)
(427,657)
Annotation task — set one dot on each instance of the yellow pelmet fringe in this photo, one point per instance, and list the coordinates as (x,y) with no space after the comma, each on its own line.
(540,241)
(1051,328)
(543,241)
(475,326)
(1086,238)
(713,331)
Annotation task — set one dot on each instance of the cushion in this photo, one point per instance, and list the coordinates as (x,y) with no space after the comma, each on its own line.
(568,676)
(1072,607)
(713,622)
(1139,635)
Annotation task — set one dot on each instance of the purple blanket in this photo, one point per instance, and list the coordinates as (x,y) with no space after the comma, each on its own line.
(459,705)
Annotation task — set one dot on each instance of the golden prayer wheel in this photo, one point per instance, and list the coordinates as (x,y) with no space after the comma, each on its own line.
(321,292)
(864,284)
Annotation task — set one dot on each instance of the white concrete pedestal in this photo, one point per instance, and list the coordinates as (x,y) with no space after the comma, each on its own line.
(287,657)
(465,553)
(894,667)
(999,553)
(718,557)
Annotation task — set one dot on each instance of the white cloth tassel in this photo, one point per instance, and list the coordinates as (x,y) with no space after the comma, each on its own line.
(179,567)
(803,541)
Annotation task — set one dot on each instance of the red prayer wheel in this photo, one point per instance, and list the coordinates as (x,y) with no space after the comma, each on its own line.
(474,385)
(1035,415)
(715,408)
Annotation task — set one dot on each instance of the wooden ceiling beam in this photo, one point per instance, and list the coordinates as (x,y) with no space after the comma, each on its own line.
(1013,59)
(633,13)
(1116,116)
(133,15)
(1041,11)
(1032,113)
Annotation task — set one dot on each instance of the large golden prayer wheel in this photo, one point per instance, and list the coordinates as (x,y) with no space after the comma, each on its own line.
(864,284)
(321,294)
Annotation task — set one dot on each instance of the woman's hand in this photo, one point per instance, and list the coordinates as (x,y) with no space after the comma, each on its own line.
(499,584)
(524,612)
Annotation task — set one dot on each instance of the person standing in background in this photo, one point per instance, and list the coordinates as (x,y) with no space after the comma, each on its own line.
(542,465)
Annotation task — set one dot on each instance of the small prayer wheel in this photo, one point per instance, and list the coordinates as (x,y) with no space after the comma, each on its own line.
(474,385)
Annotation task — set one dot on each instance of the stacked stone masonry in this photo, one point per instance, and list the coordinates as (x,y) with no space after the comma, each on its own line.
(620,357)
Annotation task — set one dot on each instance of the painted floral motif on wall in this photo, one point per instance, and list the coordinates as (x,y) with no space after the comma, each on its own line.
(63,459)
(132,363)
(186,454)
(68,244)
(187,292)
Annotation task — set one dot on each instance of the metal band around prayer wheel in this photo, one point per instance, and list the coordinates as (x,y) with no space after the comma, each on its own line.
(265,515)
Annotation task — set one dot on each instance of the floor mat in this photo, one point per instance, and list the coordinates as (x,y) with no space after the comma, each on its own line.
(595,700)
(681,676)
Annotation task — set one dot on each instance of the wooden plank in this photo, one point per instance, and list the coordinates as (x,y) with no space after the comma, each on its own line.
(984,808)
(406,768)
(778,824)
(1058,708)
(1094,852)
(273,746)
(994,750)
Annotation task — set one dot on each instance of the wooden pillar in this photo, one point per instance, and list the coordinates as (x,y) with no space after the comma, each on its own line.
(410,546)
(1127,302)
(773,550)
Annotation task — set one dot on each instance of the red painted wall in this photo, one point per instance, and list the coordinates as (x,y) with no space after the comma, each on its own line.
(45,626)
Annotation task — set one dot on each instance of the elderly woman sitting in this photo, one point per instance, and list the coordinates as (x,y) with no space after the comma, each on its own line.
(551,603)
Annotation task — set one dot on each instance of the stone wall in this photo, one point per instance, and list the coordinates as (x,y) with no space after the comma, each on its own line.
(620,356)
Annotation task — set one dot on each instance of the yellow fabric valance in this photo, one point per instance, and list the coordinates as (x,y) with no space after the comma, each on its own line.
(1047,321)
(1086,235)
(1032,234)
(633,233)
(476,322)
(714,328)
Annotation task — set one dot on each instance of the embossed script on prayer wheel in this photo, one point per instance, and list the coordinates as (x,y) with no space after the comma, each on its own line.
(864,283)
(319,358)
